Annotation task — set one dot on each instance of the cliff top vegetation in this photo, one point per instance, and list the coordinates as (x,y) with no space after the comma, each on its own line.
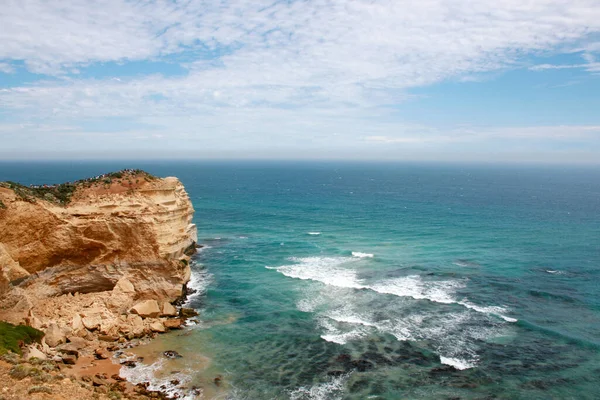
(61,193)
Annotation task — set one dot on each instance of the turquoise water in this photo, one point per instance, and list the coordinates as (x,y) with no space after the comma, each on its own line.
(386,281)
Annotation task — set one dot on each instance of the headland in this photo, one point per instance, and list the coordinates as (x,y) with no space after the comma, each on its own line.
(96,265)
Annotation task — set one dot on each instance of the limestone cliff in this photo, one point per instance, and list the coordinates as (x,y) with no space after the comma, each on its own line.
(123,225)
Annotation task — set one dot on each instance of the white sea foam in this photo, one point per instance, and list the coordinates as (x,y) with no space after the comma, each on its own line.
(330,271)
(331,390)
(348,316)
(340,335)
(314,233)
(200,279)
(201,249)
(413,286)
(148,373)
(349,319)
(457,362)
(453,334)
(322,269)
(342,338)
(401,329)
(362,255)
(494,310)
(307,304)
(555,272)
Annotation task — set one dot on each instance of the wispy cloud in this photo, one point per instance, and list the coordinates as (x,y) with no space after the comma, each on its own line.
(6,68)
(590,67)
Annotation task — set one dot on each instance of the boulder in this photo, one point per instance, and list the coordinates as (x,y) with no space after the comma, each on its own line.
(129,363)
(77,323)
(33,352)
(122,295)
(108,326)
(172,354)
(92,322)
(157,326)
(175,323)
(70,360)
(69,349)
(54,335)
(123,285)
(101,353)
(98,381)
(187,312)
(78,342)
(33,321)
(108,338)
(146,309)
(94,311)
(168,310)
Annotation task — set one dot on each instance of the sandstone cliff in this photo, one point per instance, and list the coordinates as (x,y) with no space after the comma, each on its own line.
(77,241)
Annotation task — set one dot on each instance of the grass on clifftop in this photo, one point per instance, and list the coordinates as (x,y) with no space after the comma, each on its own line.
(62,193)
(12,336)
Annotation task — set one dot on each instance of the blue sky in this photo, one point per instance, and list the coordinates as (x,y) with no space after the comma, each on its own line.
(450,80)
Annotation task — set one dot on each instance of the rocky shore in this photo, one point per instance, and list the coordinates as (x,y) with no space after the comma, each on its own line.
(97,265)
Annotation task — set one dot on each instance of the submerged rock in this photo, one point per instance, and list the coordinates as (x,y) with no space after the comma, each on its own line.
(187,312)
(362,365)
(217,380)
(172,354)
(128,363)
(445,369)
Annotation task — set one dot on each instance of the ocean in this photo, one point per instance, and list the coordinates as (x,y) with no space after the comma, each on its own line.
(333,280)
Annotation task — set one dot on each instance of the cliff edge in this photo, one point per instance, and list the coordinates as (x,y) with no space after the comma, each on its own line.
(106,255)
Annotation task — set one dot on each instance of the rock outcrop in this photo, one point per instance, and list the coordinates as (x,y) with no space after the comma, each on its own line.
(77,269)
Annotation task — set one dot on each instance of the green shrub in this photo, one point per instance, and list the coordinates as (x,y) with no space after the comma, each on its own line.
(40,389)
(11,358)
(22,371)
(12,336)
(117,175)
(60,194)
(114,395)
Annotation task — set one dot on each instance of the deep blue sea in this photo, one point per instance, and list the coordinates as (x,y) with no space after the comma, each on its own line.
(382,281)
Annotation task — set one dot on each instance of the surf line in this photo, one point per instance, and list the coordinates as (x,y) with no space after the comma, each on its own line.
(351,282)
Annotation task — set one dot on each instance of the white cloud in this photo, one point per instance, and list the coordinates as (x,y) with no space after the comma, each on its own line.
(590,67)
(6,68)
(261,68)
(420,135)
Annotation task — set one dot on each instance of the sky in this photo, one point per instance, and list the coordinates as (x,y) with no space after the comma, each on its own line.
(448,80)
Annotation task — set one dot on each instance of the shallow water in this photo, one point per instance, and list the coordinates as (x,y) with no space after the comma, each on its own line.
(354,281)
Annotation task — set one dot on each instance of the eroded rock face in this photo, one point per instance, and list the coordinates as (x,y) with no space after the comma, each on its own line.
(129,236)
